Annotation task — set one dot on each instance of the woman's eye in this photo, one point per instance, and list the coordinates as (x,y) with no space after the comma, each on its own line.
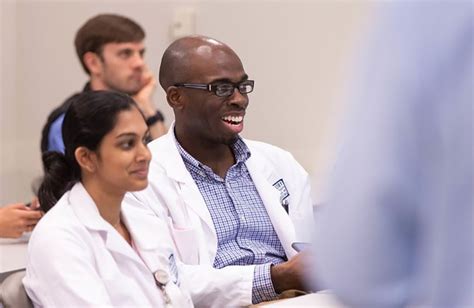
(127,145)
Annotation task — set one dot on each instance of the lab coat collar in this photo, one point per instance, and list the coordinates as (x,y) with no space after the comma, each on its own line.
(170,158)
(148,232)
(86,211)
(173,164)
(262,177)
(150,236)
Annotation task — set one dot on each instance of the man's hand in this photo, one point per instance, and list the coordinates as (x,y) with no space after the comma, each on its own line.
(291,274)
(18,218)
(144,101)
(144,97)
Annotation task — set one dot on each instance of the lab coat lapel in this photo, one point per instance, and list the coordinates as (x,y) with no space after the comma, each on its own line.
(87,212)
(149,234)
(174,167)
(270,196)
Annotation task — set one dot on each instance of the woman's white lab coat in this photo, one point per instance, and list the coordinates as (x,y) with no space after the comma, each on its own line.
(77,259)
(172,193)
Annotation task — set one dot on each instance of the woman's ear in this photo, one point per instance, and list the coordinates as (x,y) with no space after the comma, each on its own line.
(174,98)
(93,63)
(86,159)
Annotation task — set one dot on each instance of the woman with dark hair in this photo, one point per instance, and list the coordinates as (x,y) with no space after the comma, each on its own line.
(90,249)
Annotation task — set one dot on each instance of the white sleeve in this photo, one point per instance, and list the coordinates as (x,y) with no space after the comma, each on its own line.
(61,271)
(214,288)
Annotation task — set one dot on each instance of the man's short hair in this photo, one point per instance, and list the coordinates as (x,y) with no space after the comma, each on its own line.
(103,29)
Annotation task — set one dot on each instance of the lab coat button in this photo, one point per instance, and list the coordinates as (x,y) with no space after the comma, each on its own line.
(162,277)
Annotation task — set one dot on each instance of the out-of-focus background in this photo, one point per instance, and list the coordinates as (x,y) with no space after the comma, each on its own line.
(298,52)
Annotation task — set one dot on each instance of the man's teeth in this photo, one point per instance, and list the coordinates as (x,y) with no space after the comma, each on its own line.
(233,119)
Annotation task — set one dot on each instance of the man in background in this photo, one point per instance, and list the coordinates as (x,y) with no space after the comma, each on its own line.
(111,51)
(397,230)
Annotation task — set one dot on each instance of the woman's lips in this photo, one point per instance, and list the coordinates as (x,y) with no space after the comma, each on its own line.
(141,173)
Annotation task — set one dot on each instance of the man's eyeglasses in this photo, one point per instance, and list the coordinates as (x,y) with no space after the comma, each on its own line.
(224,89)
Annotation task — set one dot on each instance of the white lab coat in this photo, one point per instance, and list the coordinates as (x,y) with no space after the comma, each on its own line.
(173,193)
(77,259)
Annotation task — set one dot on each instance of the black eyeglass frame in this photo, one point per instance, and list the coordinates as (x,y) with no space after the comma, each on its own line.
(215,87)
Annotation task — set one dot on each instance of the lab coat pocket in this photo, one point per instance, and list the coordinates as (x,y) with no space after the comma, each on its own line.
(186,242)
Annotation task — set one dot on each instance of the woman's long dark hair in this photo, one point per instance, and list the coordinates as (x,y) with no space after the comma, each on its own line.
(90,116)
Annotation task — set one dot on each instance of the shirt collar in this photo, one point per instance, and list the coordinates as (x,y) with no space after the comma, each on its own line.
(240,149)
(87,87)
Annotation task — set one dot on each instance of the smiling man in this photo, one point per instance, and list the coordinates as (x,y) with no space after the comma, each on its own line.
(111,50)
(234,205)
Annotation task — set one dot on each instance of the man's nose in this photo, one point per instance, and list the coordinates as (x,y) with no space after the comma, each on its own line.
(144,153)
(138,60)
(239,99)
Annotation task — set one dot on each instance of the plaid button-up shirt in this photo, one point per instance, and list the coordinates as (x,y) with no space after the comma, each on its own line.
(245,233)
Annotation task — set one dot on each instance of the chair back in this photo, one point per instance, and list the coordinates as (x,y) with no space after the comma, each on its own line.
(12,292)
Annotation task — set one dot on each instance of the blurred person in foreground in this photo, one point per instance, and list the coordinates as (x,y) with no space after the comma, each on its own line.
(111,50)
(398,226)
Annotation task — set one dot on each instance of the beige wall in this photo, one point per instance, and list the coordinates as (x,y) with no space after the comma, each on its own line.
(297,51)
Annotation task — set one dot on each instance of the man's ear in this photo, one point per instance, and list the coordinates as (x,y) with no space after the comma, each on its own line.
(86,159)
(93,62)
(174,98)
